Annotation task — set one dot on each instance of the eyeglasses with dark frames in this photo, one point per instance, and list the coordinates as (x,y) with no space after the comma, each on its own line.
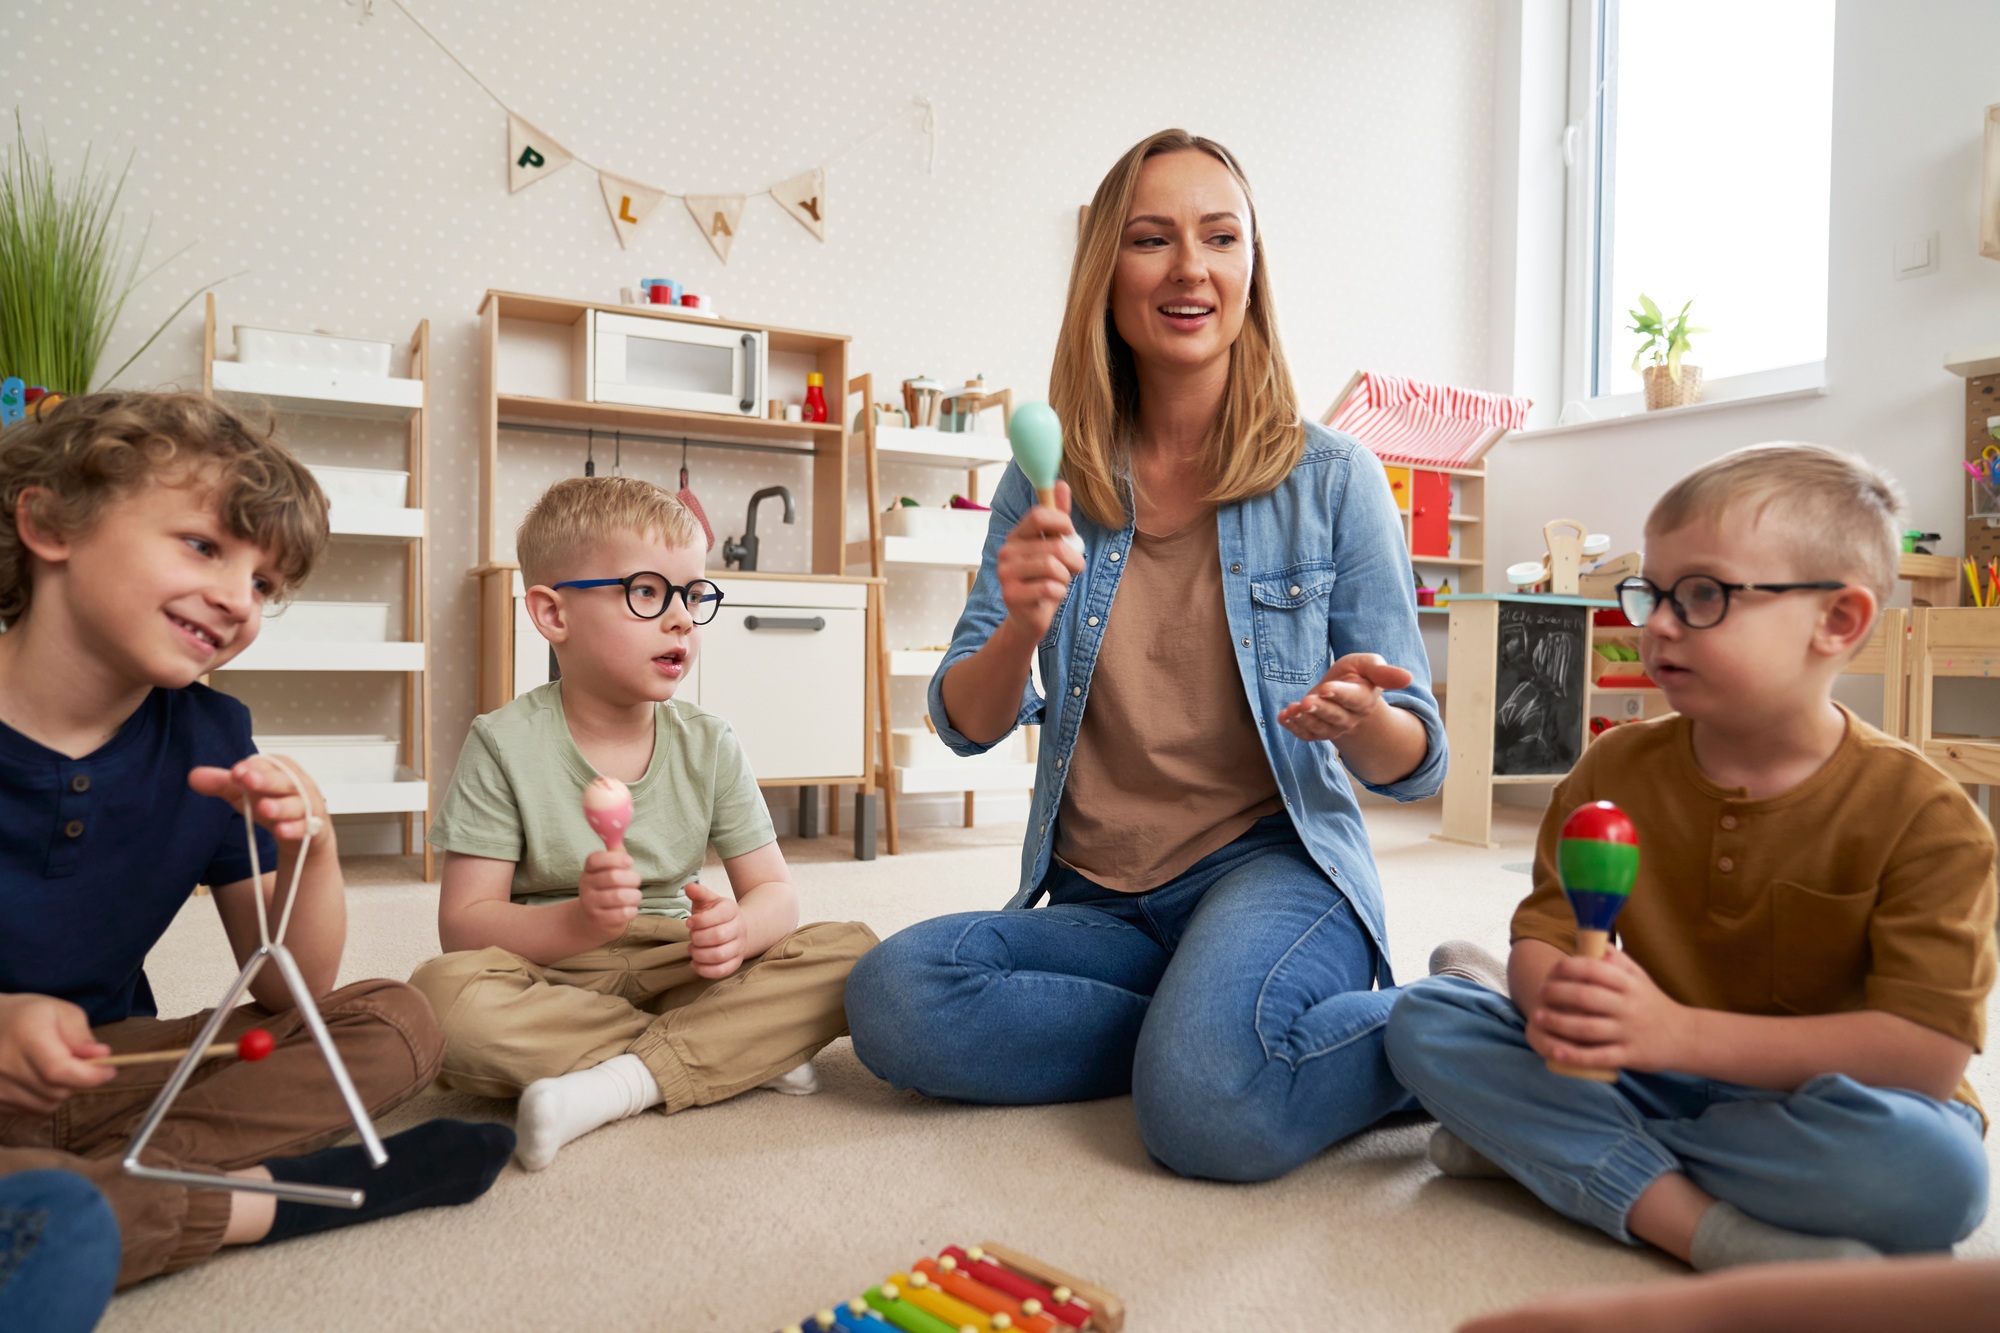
(648,595)
(1698,601)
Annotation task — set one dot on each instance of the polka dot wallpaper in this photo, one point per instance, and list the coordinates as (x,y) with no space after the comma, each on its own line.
(342,174)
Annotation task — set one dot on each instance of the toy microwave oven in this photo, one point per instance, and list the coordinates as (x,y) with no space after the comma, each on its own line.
(681,364)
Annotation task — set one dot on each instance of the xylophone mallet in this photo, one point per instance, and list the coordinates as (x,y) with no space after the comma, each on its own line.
(253,1046)
(1106,1311)
(1597,859)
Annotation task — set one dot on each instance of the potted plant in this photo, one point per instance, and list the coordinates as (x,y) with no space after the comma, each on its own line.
(1669,383)
(65,271)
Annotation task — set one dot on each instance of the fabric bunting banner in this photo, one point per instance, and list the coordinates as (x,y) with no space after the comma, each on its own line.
(629,204)
(718,216)
(804,197)
(533,156)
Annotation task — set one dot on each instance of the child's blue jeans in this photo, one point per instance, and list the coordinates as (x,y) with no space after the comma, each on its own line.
(1901,1171)
(1235,1003)
(58,1252)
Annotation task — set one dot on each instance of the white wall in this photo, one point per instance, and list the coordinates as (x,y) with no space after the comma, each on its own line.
(360,179)
(1909,90)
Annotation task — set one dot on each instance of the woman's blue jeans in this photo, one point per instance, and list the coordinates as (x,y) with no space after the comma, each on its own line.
(1235,1003)
(58,1252)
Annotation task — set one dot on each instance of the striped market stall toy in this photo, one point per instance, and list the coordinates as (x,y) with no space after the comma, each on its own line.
(972,1290)
(1597,858)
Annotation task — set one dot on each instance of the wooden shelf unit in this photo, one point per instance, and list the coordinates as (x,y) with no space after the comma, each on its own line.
(945,450)
(827,443)
(1419,492)
(406,399)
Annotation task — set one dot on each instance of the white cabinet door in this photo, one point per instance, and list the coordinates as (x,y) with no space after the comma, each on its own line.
(790,680)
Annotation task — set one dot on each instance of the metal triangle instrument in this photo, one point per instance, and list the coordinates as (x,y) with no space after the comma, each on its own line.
(271,949)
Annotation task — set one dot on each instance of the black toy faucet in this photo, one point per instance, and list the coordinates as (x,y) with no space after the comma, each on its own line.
(743,554)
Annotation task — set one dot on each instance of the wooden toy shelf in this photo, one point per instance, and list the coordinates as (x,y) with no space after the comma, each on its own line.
(404,399)
(884,553)
(527,372)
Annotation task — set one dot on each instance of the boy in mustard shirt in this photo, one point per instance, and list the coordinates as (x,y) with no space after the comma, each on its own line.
(595,984)
(1803,966)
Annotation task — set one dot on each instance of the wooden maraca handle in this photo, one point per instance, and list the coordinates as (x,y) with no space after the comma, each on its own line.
(1590,944)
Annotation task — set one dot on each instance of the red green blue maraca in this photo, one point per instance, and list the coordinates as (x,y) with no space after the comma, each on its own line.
(1597,859)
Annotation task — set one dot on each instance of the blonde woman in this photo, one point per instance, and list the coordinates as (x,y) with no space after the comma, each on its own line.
(1240,605)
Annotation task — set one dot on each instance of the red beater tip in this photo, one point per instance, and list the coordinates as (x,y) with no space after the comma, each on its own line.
(255,1044)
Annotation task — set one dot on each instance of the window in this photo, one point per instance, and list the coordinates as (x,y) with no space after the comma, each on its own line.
(1700,147)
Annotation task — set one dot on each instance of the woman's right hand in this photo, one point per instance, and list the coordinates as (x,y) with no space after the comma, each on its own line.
(1035,566)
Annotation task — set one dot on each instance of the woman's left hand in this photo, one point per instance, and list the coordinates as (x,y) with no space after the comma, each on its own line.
(1346,695)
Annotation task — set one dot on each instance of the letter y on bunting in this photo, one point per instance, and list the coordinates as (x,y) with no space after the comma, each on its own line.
(804,197)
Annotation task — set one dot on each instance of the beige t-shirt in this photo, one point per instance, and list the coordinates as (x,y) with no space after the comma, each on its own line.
(1168,765)
(518,796)
(1868,886)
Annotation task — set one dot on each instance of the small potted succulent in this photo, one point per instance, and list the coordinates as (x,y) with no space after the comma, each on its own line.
(1669,383)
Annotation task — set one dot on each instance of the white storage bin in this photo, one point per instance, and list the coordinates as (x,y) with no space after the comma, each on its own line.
(337,758)
(311,351)
(362,487)
(329,622)
(903,521)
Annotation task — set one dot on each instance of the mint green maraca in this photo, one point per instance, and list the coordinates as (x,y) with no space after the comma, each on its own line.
(1036,436)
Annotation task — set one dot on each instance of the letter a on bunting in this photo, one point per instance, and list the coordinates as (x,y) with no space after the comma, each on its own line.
(629,204)
(531,155)
(804,197)
(719,216)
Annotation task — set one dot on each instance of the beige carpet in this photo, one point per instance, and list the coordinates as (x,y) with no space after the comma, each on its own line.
(749,1215)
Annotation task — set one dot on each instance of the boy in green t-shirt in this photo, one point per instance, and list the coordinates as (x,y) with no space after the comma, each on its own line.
(594,983)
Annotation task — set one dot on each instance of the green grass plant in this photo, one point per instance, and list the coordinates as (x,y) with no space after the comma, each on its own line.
(65,269)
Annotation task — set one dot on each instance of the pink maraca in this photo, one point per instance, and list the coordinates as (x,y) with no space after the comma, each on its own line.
(607,805)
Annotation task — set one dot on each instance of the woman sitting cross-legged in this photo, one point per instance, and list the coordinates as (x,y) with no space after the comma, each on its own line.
(1219,597)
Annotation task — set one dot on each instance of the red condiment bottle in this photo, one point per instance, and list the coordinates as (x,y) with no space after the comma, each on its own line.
(815,408)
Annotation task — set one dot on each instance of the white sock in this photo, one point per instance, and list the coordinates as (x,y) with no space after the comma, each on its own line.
(800,1082)
(555,1110)
(1727,1237)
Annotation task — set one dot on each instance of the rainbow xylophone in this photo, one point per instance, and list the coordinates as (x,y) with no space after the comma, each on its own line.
(973,1290)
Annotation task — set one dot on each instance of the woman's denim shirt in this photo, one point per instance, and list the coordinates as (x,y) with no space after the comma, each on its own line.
(1311,571)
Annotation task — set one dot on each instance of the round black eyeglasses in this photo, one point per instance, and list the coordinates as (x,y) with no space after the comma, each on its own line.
(649,594)
(1698,600)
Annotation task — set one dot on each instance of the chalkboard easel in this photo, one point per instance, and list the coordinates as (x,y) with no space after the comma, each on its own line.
(1519,681)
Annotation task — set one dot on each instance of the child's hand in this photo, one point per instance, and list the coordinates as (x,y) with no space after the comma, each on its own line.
(715,933)
(1606,1013)
(1350,690)
(279,804)
(608,892)
(43,1045)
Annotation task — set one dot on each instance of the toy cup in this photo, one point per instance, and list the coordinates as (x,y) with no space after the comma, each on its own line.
(607,807)
(1036,437)
(1597,858)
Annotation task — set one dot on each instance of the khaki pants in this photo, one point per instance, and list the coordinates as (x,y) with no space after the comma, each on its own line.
(231,1114)
(508,1022)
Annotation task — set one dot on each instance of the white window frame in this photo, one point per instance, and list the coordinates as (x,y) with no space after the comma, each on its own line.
(1584,338)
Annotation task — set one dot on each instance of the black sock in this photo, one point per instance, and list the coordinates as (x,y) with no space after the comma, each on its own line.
(439,1162)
